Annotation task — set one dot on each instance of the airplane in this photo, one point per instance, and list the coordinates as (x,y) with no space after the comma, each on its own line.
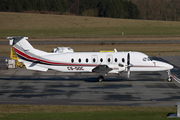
(86,62)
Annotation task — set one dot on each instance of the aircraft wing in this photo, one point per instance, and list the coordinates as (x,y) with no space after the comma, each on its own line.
(102,69)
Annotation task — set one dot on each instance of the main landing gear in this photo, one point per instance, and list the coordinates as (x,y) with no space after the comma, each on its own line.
(100,78)
(169,79)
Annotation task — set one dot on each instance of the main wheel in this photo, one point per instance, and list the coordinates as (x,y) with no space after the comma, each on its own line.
(100,78)
(169,79)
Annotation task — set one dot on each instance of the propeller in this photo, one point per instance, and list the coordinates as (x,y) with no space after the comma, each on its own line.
(128,59)
(128,65)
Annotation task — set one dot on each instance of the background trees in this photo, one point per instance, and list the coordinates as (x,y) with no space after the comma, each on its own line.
(130,9)
(110,8)
(33,5)
(158,9)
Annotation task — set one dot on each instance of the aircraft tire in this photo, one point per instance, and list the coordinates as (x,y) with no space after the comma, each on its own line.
(169,79)
(100,78)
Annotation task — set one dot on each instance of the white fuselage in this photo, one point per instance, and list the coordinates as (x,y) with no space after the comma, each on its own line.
(66,60)
(86,61)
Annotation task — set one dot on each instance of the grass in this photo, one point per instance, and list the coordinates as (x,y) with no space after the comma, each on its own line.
(45,25)
(54,112)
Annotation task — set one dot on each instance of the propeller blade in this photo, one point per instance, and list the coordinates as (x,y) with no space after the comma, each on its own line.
(128,73)
(128,59)
(128,65)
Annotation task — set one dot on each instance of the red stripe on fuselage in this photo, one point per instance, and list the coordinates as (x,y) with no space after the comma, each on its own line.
(65,64)
(25,55)
(47,62)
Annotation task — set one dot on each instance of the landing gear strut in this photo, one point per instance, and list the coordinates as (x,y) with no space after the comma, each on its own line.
(169,76)
(100,78)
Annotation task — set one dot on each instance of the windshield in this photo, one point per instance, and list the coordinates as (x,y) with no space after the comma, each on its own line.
(150,58)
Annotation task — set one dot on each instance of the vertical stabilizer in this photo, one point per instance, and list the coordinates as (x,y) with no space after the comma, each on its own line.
(26,53)
(21,44)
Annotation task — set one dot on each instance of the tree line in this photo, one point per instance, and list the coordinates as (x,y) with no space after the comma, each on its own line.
(109,8)
(168,10)
(131,9)
(33,5)
(101,8)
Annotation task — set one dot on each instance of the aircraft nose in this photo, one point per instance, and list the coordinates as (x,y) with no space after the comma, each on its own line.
(168,66)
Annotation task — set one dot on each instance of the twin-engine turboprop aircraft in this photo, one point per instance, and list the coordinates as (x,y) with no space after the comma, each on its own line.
(99,62)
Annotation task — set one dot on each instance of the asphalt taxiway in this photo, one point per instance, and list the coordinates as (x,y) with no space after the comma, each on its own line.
(22,86)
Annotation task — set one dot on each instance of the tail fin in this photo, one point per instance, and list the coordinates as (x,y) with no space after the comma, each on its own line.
(26,52)
(22,44)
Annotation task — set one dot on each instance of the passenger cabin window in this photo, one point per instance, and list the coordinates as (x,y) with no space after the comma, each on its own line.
(115,60)
(109,60)
(94,60)
(87,60)
(79,60)
(72,60)
(123,60)
(101,60)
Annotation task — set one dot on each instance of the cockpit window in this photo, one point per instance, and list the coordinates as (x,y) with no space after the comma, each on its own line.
(144,59)
(147,59)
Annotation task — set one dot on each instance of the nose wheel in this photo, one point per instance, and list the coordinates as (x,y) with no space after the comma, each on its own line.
(169,76)
(169,79)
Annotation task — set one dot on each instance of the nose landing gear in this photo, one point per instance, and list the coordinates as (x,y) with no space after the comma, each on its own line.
(169,76)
